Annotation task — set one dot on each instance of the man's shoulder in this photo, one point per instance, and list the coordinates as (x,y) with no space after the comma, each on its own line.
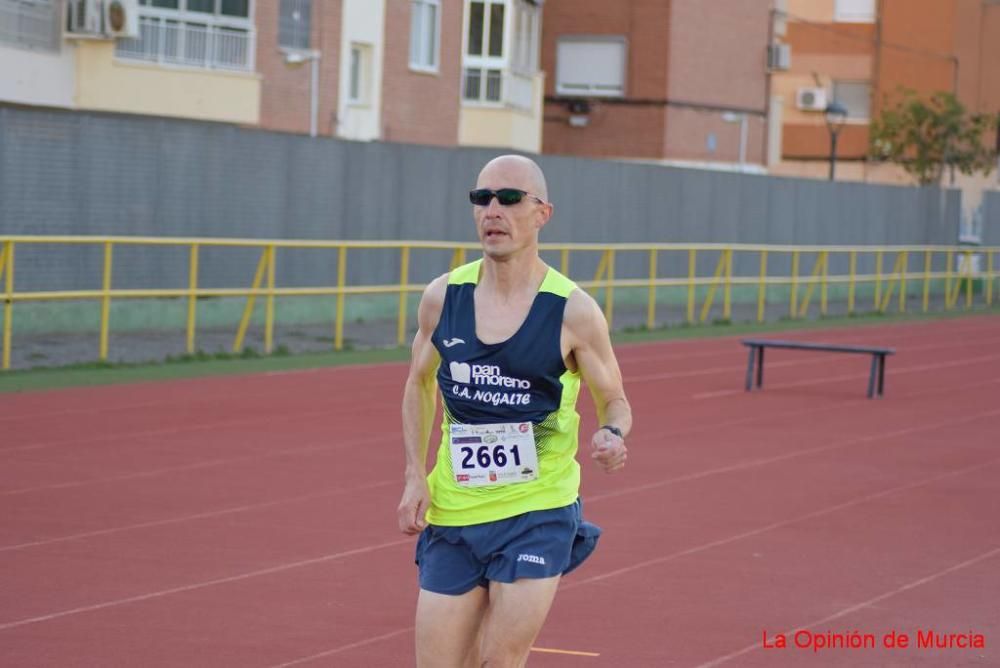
(582,313)
(432,302)
(436,289)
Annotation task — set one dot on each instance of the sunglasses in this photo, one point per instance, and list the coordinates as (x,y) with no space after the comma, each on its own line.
(505,196)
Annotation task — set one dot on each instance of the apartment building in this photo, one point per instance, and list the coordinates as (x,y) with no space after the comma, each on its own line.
(683,81)
(441,72)
(502,83)
(361,69)
(859,53)
(181,58)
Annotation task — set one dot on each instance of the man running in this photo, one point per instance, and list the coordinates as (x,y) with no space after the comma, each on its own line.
(506,339)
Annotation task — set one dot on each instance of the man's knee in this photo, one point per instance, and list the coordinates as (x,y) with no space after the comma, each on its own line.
(503,656)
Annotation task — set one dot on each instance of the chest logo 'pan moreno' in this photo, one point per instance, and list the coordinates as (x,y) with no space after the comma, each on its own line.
(485,374)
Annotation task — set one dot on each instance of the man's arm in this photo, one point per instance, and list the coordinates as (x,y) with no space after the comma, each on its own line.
(590,347)
(419,405)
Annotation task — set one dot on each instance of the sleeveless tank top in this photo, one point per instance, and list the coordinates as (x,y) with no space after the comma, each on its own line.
(522,379)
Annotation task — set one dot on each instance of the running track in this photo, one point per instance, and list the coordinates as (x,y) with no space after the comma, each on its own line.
(250,521)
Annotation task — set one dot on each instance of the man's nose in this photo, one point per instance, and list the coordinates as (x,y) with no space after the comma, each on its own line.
(493,208)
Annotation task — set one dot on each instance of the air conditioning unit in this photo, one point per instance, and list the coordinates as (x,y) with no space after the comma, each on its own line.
(83,17)
(102,18)
(811,99)
(779,57)
(121,18)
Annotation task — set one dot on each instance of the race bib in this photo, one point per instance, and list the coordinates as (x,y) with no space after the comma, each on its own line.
(493,454)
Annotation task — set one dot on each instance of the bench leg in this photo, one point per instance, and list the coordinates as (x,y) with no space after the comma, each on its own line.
(760,366)
(872,375)
(881,374)
(749,383)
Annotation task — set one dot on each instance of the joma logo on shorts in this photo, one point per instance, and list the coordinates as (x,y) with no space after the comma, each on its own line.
(533,558)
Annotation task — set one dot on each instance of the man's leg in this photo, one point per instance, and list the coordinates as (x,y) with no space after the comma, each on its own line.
(516,614)
(448,628)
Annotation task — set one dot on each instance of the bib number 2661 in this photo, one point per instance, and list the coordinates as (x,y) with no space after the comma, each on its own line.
(493,454)
(485,457)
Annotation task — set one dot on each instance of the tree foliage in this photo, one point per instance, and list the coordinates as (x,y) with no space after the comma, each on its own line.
(928,135)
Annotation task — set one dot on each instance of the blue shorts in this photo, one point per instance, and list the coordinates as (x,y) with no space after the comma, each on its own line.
(539,544)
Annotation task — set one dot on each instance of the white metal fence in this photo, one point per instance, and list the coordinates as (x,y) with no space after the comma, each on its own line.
(190,44)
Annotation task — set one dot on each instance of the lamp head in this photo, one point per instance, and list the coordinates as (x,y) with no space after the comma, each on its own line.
(836,114)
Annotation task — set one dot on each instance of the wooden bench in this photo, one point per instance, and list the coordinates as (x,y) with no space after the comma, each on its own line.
(876,380)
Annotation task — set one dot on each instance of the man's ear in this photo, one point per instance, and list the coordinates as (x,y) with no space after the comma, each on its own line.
(545,214)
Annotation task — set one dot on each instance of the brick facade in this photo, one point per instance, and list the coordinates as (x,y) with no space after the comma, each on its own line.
(421,107)
(687,63)
(614,127)
(285,89)
(924,45)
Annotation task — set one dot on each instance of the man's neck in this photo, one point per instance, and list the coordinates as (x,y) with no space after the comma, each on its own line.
(513,276)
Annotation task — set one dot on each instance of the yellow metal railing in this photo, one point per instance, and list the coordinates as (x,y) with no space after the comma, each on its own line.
(613,260)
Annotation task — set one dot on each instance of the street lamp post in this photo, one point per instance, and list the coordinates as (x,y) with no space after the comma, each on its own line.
(297,57)
(836,115)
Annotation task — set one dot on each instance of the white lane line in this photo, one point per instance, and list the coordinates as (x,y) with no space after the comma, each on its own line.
(197,516)
(223,397)
(695,550)
(224,461)
(864,604)
(344,648)
(604,576)
(208,426)
(782,523)
(591,499)
(207,583)
(755,463)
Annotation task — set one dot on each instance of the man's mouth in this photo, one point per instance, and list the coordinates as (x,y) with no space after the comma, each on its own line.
(494,234)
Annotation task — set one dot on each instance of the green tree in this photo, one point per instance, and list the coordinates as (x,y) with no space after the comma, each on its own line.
(927,135)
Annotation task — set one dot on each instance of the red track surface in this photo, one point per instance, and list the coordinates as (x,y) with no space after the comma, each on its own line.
(251,521)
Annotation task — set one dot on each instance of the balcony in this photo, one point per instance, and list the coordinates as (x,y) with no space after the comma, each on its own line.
(490,87)
(173,42)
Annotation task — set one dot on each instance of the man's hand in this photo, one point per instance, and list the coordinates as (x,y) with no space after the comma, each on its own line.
(609,451)
(413,506)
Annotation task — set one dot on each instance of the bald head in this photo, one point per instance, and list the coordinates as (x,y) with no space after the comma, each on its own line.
(514,171)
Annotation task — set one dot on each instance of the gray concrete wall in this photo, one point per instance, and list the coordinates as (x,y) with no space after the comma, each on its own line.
(96,174)
(991,218)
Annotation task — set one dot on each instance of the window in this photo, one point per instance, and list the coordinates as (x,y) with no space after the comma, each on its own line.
(485,37)
(424,34)
(854,11)
(484,53)
(211,34)
(592,66)
(855,96)
(524,56)
(294,20)
(359,74)
(31,24)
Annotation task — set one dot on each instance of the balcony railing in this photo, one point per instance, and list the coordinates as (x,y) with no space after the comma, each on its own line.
(190,44)
(490,86)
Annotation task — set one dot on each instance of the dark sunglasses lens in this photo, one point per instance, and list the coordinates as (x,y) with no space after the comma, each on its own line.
(509,196)
(480,197)
(505,196)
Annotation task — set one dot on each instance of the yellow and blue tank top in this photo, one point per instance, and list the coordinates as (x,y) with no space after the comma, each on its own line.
(522,379)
